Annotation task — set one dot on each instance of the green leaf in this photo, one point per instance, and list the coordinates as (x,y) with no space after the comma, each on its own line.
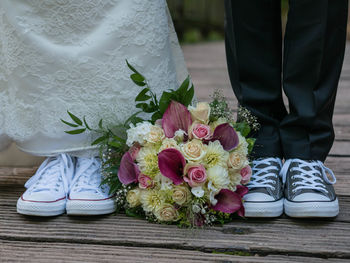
(70,124)
(99,140)
(142,96)
(132,68)
(141,106)
(126,123)
(184,86)
(146,108)
(75,118)
(117,138)
(133,212)
(251,143)
(100,124)
(188,97)
(141,84)
(136,120)
(86,125)
(115,144)
(165,101)
(137,77)
(79,131)
(156,116)
(243,128)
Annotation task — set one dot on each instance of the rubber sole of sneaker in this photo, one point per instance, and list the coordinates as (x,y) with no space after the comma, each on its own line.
(87,207)
(263,209)
(311,209)
(41,208)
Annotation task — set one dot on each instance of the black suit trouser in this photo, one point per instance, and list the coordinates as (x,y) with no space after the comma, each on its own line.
(307,66)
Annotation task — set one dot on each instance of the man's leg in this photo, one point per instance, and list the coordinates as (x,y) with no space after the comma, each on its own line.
(254,55)
(313,58)
(314,53)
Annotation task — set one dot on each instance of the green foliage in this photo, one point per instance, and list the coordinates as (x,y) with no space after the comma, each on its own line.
(148,102)
(135,212)
(243,128)
(251,143)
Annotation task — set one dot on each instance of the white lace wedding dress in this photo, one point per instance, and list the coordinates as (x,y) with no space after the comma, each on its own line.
(59,55)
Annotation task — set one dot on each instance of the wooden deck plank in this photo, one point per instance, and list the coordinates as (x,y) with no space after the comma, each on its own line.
(42,252)
(313,238)
(293,237)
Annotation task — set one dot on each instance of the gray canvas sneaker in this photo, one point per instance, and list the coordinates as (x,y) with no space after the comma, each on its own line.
(265,196)
(308,190)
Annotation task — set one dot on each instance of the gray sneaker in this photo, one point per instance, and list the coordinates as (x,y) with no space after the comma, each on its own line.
(308,191)
(265,196)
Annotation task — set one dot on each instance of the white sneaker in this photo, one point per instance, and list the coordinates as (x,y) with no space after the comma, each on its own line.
(265,196)
(308,191)
(87,196)
(47,190)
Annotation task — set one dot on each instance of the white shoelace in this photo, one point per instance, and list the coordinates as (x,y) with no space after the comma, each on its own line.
(262,176)
(87,177)
(51,173)
(310,178)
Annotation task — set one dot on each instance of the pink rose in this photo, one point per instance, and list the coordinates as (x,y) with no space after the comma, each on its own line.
(195,175)
(134,150)
(246,173)
(201,131)
(145,181)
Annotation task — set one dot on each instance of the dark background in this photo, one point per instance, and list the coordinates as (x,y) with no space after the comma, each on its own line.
(203,20)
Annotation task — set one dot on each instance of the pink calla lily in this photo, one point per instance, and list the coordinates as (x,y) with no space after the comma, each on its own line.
(241,190)
(176,117)
(228,202)
(171,164)
(241,211)
(128,170)
(227,136)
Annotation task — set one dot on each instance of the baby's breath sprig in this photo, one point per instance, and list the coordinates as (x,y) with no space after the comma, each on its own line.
(219,107)
(244,115)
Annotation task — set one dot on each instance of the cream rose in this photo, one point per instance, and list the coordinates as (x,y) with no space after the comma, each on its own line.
(168,143)
(201,112)
(166,213)
(155,135)
(181,195)
(133,198)
(237,160)
(243,145)
(235,177)
(194,150)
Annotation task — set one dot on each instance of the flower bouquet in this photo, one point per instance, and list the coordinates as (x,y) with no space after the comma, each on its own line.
(187,164)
